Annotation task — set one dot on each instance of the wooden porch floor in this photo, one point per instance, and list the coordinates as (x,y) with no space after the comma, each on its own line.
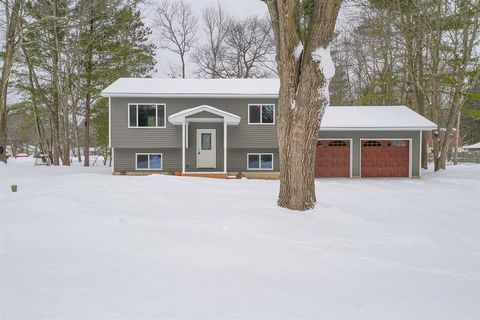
(206,175)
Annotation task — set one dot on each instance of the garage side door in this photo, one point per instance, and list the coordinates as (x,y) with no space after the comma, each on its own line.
(385,158)
(332,158)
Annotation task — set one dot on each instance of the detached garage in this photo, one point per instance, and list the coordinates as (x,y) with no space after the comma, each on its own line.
(370,142)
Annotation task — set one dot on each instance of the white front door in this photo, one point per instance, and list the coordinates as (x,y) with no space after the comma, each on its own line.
(206,148)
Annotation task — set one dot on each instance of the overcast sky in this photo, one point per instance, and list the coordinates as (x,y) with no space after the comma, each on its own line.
(239,8)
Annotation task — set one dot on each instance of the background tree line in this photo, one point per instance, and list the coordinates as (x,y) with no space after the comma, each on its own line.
(59,54)
(420,53)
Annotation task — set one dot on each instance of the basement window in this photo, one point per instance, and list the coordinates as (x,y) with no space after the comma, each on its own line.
(260,161)
(146,115)
(148,161)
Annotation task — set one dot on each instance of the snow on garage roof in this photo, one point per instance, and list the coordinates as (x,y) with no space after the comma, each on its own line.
(161,87)
(473,146)
(374,118)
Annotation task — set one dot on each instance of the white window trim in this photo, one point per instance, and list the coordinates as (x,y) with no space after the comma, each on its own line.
(260,161)
(261,106)
(148,154)
(156,115)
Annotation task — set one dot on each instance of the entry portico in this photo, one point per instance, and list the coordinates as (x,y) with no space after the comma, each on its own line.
(206,136)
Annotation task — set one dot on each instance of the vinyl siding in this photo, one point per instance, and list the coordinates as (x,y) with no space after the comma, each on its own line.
(124,159)
(240,136)
(204,114)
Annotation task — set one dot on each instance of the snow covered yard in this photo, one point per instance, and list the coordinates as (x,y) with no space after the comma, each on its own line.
(80,243)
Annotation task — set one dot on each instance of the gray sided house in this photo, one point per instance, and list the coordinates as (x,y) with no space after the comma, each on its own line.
(226,126)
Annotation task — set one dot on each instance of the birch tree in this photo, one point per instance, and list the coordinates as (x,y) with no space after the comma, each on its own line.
(305,68)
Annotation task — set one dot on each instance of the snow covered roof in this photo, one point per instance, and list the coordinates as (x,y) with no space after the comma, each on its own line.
(161,87)
(374,118)
(473,146)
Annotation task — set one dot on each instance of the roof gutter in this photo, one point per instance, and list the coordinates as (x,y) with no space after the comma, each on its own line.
(425,128)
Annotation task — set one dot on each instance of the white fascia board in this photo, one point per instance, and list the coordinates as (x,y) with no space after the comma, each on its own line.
(206,95)
(378,129)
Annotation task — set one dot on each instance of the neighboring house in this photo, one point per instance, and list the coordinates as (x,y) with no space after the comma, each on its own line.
(220,126)
(473,147)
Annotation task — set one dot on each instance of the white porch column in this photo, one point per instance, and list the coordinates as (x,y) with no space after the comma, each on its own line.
(224,146)
(183,146)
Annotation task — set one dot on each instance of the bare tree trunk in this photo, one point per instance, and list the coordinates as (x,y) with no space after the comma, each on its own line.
(86,140)
(303,94)
(88,96)
(12,14)
(182,58)
(55,112)
(457,140)
(424,154)
(77,135)
(38,129)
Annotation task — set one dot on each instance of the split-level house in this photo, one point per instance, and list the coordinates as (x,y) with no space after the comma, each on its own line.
(228,126)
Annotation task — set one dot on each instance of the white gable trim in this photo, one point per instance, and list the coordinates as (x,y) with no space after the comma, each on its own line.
(180,117)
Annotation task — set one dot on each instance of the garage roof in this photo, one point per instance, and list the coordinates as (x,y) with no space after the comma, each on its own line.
(473,146)
(376,118)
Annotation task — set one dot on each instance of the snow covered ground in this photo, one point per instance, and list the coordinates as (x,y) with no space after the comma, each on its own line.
(80,243)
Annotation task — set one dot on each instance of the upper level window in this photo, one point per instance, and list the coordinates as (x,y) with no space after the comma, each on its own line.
(261,114)
(146,115)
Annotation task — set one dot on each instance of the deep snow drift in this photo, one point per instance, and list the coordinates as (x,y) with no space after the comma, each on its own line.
(80,243)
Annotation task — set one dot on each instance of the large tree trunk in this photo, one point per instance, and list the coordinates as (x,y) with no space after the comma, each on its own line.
(304,71)
(12,13)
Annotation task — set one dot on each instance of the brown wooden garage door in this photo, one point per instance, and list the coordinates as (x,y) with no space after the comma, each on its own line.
(385,158)
(332,158)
